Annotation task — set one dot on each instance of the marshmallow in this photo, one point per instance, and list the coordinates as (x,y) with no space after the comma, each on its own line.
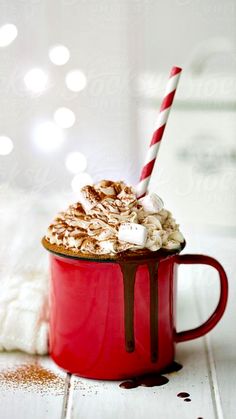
(133,233)
(86,204)
(151,203)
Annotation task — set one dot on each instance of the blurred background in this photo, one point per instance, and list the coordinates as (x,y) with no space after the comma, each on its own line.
(81,83)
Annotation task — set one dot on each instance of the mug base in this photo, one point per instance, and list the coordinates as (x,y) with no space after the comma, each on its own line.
(166,368)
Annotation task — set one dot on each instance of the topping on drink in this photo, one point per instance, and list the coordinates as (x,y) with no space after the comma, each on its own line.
(133,233)
(109,219)
(151,203)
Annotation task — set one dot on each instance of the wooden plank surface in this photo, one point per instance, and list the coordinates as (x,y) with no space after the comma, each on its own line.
(106,400)
(221,342)
(20,399)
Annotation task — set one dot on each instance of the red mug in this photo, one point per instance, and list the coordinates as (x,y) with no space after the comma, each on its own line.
(112,320)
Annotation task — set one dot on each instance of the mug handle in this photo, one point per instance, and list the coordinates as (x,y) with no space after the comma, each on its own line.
(220,308)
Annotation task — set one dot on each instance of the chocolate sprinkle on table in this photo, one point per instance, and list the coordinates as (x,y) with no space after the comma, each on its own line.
(32,377)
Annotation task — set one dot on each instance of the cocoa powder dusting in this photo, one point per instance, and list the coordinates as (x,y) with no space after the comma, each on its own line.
(32,377)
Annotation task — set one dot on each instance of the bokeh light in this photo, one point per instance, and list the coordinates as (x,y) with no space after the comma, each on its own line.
(59,54)
(64,117)
(76,80)
(76,162)
(6,145)
(8,34)
(80,180)
(36,80)
(48,136)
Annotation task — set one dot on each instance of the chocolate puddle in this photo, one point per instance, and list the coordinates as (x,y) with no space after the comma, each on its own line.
(145,381)
(152,379)
(183,395)
(129,270)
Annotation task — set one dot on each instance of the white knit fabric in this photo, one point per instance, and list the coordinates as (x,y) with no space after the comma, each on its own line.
(24,313)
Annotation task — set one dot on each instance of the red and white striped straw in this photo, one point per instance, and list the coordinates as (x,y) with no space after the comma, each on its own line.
(160,125)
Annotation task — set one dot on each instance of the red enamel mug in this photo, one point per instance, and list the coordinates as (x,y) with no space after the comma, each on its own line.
(104,326)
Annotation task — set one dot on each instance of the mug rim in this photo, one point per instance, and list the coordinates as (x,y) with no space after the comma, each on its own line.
(160,254)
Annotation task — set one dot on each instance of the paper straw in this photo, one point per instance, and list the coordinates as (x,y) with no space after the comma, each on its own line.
(160,125)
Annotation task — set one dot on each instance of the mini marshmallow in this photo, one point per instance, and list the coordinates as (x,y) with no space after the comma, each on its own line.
(88,197)
(151,203)
(133,233)
(86,204)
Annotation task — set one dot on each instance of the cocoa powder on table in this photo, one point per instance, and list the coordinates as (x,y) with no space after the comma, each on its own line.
(32,377)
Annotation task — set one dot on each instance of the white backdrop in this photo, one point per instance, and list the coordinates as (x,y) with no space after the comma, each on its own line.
(114,43)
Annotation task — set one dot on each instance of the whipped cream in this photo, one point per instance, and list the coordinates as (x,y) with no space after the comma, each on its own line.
(93,225)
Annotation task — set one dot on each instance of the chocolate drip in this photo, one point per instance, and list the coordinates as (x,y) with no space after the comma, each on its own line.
(153,268)
(129,271)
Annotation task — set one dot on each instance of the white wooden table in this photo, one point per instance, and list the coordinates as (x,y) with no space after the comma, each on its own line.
(209,363)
